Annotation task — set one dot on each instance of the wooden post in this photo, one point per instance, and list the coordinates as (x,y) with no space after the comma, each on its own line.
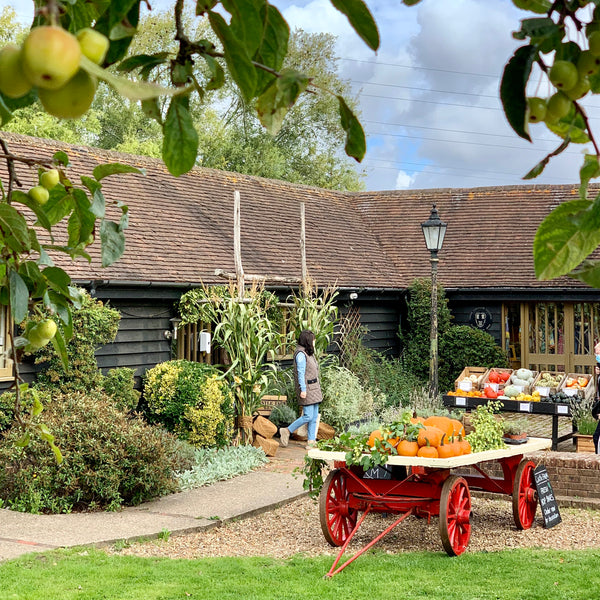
(237,243)
(303,243)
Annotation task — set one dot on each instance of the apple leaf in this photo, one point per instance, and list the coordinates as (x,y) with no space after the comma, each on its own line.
(588,272)
(240,66)
(560,245)
(14,228)
(356,144)
(589,170)
(133,90)
(180,138)
(22,198)
(19,297)
(102,171)
(274,45)
(513,88)
(273,104)
(113,242)
(361,19)
(246,22)
(537,170)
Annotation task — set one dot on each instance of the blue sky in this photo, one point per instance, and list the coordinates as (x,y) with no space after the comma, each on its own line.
(429,97)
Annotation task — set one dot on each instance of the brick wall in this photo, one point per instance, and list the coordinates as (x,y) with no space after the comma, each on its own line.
(575,477)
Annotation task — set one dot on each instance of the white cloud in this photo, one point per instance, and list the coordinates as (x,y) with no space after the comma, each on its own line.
(403,181)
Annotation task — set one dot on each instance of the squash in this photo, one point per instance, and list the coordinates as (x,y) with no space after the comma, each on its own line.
(524,374)
(465,446)
(428,452)
(445,450)
(443,423)
(407,448)
(511,391)
(430,435)
(375,435)
(457,428)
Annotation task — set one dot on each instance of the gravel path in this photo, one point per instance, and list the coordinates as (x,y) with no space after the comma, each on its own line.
(295,528)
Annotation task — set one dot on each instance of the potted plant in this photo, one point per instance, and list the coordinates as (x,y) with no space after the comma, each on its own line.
(581,413)
(515,431)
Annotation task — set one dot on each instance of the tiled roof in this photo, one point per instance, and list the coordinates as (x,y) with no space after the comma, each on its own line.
(181,229)
(489,240)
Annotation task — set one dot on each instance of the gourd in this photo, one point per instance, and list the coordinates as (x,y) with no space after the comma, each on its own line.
(511,391)
(445,450)
(428,452)
(524,374)
(443,423)
(518,381)
(407,448)
(430,436)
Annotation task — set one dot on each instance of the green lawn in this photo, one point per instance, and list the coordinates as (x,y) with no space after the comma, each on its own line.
(87,574)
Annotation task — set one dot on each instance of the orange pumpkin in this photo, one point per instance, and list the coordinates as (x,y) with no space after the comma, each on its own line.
(375,435)
(430,435)
(415,420)
(455,445)
(443,423)
(445,450)
(428,452)
(457,427)
(465,447)
(407,448)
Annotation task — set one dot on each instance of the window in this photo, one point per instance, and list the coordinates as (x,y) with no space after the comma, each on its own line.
(6,364)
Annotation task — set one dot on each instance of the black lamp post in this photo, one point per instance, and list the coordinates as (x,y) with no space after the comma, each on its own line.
(434,230)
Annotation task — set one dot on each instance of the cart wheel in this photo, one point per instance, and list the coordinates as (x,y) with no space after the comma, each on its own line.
(455,515)
(337,518)
(524,495)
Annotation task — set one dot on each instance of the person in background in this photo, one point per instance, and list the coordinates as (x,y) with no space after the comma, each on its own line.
(308,389)
(596,407)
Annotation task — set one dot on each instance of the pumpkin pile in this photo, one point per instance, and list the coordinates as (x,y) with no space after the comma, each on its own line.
(431,437)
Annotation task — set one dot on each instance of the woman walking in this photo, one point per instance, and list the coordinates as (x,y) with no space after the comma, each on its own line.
(308,389)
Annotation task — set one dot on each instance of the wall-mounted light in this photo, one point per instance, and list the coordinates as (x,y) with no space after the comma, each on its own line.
(175,321)
(353,296)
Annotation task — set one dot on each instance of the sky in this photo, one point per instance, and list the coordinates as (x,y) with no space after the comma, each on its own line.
(429,97)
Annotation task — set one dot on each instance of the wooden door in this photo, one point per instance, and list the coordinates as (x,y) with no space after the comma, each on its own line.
(560,336)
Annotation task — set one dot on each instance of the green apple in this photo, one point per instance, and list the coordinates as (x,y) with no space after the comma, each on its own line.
(536,110)
(13,82)
(39,194)
(563,75)
(46,329)
(72,100)
(594,42)
(557,107)
(50,178)
(50,57)
(93,44)
(580,89)
(588,63)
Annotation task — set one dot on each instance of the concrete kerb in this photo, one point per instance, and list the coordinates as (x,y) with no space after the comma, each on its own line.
(190,511)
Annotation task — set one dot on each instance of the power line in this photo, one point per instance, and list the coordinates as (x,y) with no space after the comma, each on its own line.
(372,62)
(421,89)
(404,163)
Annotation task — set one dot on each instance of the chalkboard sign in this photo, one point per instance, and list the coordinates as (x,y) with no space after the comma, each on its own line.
(378,472)
(546,497)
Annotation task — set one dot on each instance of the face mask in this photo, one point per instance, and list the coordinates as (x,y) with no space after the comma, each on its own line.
(598,358)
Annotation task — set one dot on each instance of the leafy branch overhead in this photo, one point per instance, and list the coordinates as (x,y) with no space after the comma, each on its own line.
(75,43)
(562,52)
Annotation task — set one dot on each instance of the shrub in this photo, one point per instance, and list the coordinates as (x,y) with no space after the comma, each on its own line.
(189,398)
(416,340)
(119,385)
(216,465)
(283,415)
(344,399)
(462,346)
(110,459)
(94,324)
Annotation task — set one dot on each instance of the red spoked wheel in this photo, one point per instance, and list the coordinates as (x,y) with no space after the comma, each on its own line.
(455,515)
(337,518)
(524,495)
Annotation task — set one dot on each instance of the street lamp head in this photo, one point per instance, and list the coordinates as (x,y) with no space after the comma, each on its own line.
(434,230)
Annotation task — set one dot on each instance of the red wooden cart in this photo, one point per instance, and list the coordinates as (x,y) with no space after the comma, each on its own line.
(423,487)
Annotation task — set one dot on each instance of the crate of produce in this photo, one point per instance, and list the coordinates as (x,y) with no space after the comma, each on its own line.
(470,378)
(578,384)
(548,382)
(523,379)
(497,378)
